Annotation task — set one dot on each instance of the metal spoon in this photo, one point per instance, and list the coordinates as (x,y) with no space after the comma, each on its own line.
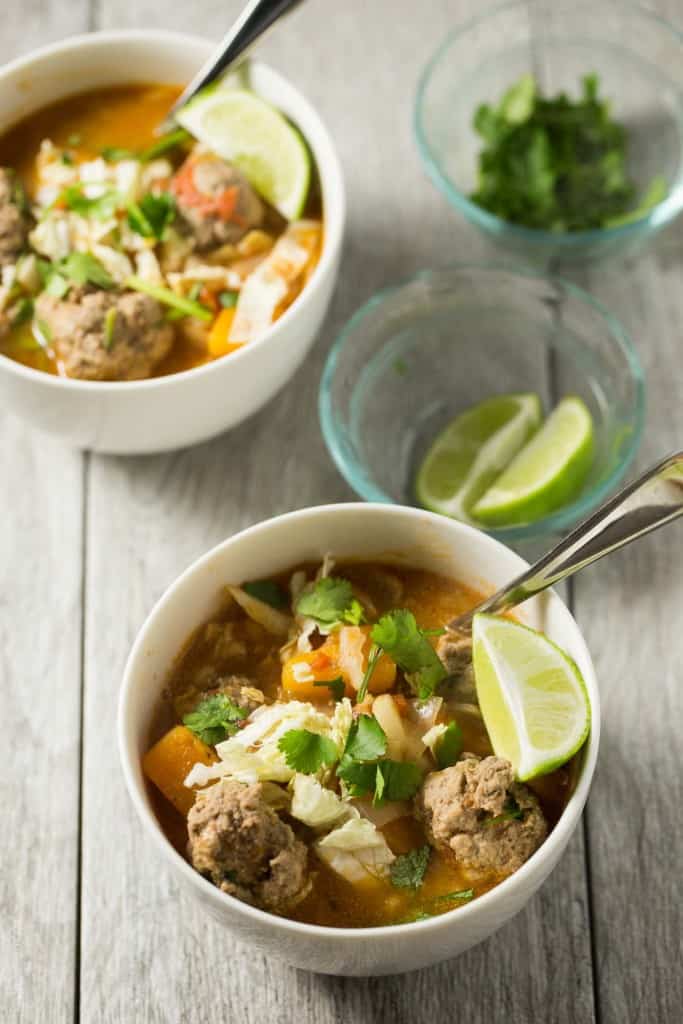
(652,500)
(256,17)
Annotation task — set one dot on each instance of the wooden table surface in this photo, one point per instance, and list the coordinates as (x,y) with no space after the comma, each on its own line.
(92,927)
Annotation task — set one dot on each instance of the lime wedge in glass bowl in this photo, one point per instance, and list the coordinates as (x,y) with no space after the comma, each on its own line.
(548,472)
(473,450)
(532,696)
(238,126)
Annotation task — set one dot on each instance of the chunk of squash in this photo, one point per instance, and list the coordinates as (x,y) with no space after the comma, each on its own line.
(168,762)
(355,645)
(302,672)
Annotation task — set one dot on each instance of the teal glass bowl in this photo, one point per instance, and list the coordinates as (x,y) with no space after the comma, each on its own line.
(638,58)
(418,354)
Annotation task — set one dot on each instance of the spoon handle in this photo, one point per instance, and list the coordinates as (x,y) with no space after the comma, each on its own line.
(652,500)
(257,16)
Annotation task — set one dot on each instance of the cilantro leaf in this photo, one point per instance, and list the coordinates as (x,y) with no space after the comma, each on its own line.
(164,144)
(22,312)
(228,299)
(366,740)
(101,207)
(331,601)
(408,870)
(114,153)
(360,777)
(554,162)
(511,812)
(267,591)
(337,687)
(449,748)
(307,751)
(215,718)
(373,657)
(152,215)
(400,637)
(400,781)
(83,267)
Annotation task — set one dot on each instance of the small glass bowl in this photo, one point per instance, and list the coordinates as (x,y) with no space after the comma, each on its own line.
(419,353)
(638,58)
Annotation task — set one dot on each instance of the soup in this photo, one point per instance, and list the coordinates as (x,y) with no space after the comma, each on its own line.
(125,256)
(311,770)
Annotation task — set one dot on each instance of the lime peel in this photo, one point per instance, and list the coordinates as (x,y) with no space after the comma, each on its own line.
(532,696)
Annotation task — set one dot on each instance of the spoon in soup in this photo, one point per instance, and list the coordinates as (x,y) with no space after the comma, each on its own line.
(256,17)
(651,501)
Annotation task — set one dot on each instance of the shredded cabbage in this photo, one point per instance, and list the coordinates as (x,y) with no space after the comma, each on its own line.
(356,850)
(315,805)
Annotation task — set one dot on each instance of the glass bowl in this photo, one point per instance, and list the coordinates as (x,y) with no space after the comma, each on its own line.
(419,353)
(638,58)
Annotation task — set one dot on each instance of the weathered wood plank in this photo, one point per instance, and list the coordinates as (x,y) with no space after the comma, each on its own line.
(629,607)
(40,673)
(148,953)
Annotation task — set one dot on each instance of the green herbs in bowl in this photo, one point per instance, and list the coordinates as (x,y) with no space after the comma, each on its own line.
(576,154)
(555,163)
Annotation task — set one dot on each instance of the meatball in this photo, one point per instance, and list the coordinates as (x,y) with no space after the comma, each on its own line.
(455,651)
(238,841)
(94,343)
(13,218)
(216,204)
(460,807)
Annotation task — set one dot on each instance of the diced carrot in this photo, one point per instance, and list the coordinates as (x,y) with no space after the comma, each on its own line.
(301,672)
(169,761)
(218,342)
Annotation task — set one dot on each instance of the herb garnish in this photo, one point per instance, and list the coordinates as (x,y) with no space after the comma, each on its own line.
(109,325)
(101,207)
(152,215)
(448,748)
(83,268)
(373,657)
(511,812)
(330,601)
(228,299)
(23,311)
(114,153)
(554,162)
(307,751)
(399,635)
(408,870)
(337,687)
(169,298)
(166,142)
(215,719)
(434,904)
(267,591)
(365,771)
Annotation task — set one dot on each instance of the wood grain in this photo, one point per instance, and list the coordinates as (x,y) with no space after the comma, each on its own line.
(146,950)
(40,674)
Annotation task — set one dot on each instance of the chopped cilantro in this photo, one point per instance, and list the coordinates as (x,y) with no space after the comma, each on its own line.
(373,657)
(101,208)
(23,311)
(67,158)
(331,602)
(83,267)
(449,748)
(555,163)
(337,687)
(228,299)
(215,718)
(400,780)
(511,812)
(408,870)
(267,591)
(169,298)
(152,215)
(109,325)
(114,153)
(307,751)
(57,285)
(400,637)
(165,143)
(366,740)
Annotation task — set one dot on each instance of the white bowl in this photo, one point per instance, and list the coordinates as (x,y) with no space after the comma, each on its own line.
(184,408)
(392,533)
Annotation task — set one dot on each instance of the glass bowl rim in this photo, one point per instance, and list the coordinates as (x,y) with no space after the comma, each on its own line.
(353,470)
(659,215)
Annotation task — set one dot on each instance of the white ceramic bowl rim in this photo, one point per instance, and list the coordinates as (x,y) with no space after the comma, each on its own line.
(333,224)
(557,838)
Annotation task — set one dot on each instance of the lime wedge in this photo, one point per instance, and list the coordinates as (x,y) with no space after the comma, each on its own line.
(257,139)
(547,473)
(531,694)
(472,450)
